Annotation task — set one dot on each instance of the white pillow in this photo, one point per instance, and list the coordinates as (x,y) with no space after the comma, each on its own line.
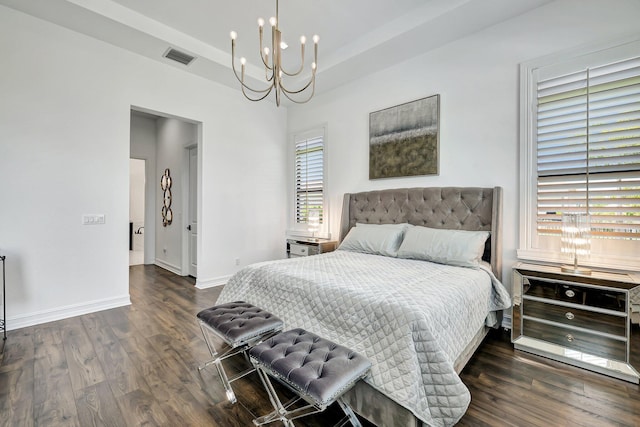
(454,247)
(374,239)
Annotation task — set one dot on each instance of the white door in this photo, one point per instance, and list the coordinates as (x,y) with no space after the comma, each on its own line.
(193,211)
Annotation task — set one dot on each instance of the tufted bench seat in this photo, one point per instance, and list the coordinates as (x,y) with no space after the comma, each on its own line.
(315,369)
(240,325)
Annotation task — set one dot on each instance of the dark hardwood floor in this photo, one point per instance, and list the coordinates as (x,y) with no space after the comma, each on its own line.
(137,365)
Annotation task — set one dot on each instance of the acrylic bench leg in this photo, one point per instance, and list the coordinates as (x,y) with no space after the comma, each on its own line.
(349,412)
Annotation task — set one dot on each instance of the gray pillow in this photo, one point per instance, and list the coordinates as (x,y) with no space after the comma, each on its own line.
(454,247)
(383,239)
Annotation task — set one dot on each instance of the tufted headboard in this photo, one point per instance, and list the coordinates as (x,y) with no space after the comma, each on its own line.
(454,208)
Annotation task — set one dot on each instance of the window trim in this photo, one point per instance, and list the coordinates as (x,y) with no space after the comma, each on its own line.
(529,248)
(294,228)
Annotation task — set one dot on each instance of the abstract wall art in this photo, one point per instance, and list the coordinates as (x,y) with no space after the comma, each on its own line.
(404,140)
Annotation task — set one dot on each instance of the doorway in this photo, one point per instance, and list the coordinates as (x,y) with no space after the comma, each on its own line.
(137,183)
(169,145)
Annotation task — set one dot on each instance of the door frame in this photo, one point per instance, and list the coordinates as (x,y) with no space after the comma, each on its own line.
(186,261)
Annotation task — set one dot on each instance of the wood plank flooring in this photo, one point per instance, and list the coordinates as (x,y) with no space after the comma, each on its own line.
(137,365)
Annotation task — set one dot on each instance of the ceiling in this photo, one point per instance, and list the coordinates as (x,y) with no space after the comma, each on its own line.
(357,37)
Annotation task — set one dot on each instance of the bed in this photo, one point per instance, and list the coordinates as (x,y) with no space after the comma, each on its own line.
(418,321)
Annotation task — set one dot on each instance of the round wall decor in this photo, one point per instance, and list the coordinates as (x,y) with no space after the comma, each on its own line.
(165,185)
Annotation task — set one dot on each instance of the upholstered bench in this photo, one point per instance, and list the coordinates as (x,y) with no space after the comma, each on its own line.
(317,370)
(240,325)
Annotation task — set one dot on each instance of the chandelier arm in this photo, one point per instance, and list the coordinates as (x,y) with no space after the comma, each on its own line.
(267,67)
(241,79)
(301,63)
(305,87)
(265,59)
(267,77)
(313,90)
(244,85)
(260,98)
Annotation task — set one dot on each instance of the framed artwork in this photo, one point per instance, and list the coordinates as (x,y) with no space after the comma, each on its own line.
(404,140)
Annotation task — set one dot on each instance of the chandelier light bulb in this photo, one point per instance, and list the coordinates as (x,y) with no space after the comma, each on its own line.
(272,21)
(233,35)
(316,39)
(313,65)
(303,39)
(260,22)
(266,51)
(283,45)
(243,61)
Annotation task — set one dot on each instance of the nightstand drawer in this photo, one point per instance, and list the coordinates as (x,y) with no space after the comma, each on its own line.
(585,342)
(296,249)
(607,323)
(576,294)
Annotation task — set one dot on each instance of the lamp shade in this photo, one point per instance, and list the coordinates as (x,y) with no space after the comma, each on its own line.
(575,240)
(313,222)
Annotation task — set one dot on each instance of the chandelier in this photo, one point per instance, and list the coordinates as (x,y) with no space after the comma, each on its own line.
(274,72)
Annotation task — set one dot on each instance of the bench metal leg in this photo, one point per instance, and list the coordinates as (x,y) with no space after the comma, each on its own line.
(210,346)
(280,409)
(351,417)
(217,358)
(286,416)
(217,361)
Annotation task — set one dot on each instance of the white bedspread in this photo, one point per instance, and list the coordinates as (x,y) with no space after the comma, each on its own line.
(410,318)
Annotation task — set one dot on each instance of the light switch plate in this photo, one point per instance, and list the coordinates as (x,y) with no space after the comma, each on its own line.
(95,219)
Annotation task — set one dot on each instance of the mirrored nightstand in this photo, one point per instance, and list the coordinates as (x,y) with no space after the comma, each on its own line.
(586,321)
(305,247)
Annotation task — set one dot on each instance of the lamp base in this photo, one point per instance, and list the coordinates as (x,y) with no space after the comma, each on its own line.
(576,270)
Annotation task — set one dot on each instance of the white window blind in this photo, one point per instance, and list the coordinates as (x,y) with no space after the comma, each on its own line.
(309,179)
(588,149)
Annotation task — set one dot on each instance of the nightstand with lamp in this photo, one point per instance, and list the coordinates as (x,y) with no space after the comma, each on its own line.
(297,247)
(578,316)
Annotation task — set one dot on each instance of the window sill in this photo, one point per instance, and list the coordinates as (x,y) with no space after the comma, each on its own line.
(595,260)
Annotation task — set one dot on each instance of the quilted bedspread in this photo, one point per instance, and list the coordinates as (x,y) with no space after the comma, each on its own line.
(410,318)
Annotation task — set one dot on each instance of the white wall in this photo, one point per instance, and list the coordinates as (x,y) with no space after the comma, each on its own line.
(143,146)
(477,79)
(64,152)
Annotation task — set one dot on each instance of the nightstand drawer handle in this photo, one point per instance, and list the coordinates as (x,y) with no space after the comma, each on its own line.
(569,337)
(570,293)
(569,315)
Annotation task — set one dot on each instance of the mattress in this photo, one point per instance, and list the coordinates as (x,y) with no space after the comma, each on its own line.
(410,318)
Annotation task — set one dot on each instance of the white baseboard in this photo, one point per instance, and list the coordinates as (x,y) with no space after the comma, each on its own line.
(167,266)
(60,313)
(212,283)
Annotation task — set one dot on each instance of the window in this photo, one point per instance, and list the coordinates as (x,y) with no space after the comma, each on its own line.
(583,153)
(310,183)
